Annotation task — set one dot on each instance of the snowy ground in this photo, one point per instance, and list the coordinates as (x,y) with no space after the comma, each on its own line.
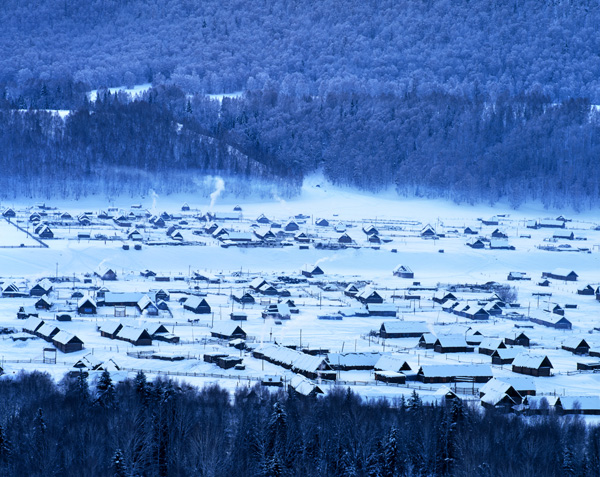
(399,220)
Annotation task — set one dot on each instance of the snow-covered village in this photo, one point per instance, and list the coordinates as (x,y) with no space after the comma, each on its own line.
(498,310)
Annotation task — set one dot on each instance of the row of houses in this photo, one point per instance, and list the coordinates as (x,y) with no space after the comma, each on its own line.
(62,340)
(312,367)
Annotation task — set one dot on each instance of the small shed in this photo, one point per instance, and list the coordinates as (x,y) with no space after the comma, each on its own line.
(403,271)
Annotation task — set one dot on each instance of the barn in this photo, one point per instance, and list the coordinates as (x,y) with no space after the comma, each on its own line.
(503,356)
(403,271)
(369,295)
(43,287)
(532,365)
(227,331)
(382,309)
(576,345)
(135,336)
(86,306)
(303,387)
(403,329)
(390,377)
(197,305)
(67,342)
(489,345)
(108,275)
(452,344)
(246,298)
(561,274)
(47,331)
(450,373)
(520,339)
(427,341)
(43,303)
(110,330)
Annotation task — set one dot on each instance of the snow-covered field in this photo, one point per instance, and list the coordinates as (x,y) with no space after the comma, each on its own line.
(399,222)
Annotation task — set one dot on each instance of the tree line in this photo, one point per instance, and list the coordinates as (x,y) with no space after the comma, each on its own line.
(516,148)
(165,428)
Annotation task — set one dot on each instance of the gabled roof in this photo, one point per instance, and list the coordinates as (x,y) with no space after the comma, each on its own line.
(195,302)
(110,328)
(32,323)
(131,333)
(303,386)
(153,328)
(452,341)
(47,329)
(226,328)
(391,362)
(85,299)
(575,342)
(64,338)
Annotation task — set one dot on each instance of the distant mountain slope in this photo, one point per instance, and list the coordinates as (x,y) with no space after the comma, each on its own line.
(458,46)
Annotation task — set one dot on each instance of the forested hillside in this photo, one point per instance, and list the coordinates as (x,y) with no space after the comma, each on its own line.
(474,101)
(165,429)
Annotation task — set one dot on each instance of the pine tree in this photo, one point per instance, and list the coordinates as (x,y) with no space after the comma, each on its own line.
(118,464)
(105,391)
(141,386)
(390,454)
(375,461)
(5,447)
(568,463)
(82,388)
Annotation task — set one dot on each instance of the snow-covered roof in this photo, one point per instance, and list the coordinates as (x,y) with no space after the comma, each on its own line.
(64,338)
(398,326)
(520,383)
(225,328)
(131,333)
(353,359)
(47,329)
(526,360)
(452,341)
(490,343)
(450,370)
(32,323)
(304,386)
(295,359)
(110,327)
(583,403)
(85,299)
(508,353)
(574,342)
(390,362)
